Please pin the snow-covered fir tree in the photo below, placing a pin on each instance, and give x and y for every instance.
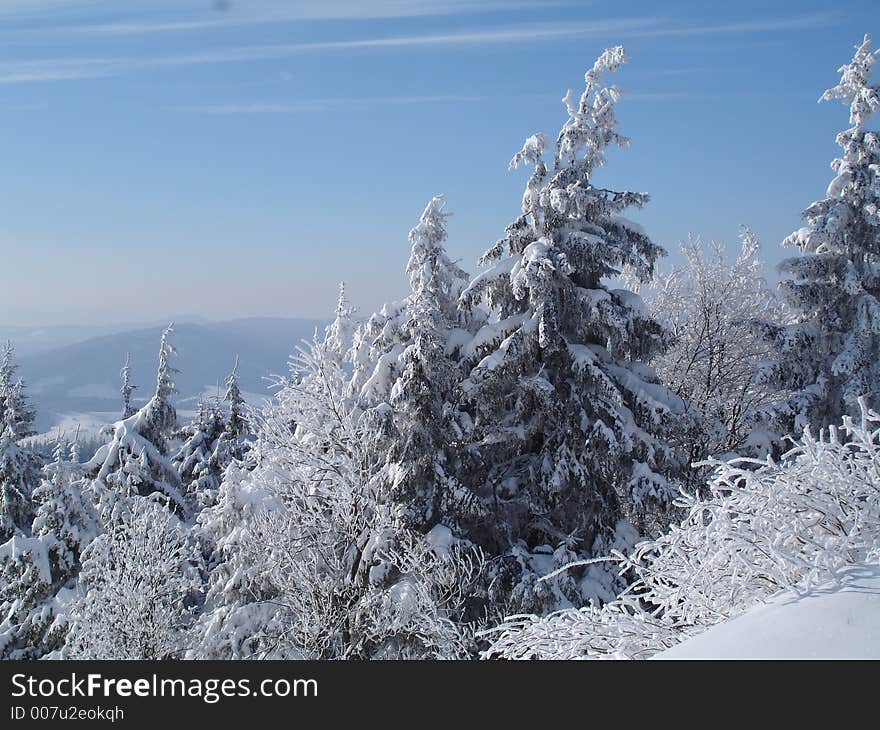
(419, 470)
(830, 355)
(15, 410)
(16, 483)
(237, 436)
(19, 466)
(236, 426)
(568, 422)
(201, 458)
(712, 364)
(127, 388)
(212, 442)
(138, 583)
(337, 339)
(38, 573)
(137, 459)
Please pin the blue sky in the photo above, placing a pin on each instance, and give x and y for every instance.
(228, 158)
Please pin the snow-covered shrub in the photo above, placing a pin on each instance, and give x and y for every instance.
(714, 356)
(763, 527)
(314, 559)
(136, 590)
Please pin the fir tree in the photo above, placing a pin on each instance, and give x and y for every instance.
(127, 388)
(315, 563)
(39, 572)
(236, 421)
(337, 339)
(202, 457)
(420, 461)
(568, 422)
(137, 459)
(830, 356)
(19, 466)
(15, 411)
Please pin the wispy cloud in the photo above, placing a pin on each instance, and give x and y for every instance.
(162, 16)
(321, 105)
(663, 96)
(73, 68)
(55, 70)
(798, 22)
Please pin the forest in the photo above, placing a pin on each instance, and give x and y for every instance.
(574, 453)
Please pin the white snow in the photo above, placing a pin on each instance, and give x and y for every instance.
(19, 546)
(834, 621)
(440, 538)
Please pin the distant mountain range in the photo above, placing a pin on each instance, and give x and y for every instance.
(82, 377)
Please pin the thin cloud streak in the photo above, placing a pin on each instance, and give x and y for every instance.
(321, 105)
(267, 12)
(801, 22)
(71, 69)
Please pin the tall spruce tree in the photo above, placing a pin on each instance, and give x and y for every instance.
(420, 465)
(567, 421)
(137, 459)
(200, 460)
(127, 388)
(15, 410)
(19, 465)
(830, 356)
(38, 573)
(236, 426)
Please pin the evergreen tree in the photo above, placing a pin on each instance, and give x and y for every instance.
(15, 411)
(39, 572)
(236, 437)
(236, 422)
(313, 560)
(830, 355)
(16, 467)
(202, 458)
(127, 388)
(337, 339)
(19, 466)
(568, 422)
(137, 459)
(420, 462)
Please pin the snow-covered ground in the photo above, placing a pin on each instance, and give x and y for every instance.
(834, 621)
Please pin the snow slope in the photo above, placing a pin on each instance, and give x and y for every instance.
(829, 622)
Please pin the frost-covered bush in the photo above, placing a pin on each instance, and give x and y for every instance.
(314, 559)
(763, 527)
(715, 355)
(136, 590)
